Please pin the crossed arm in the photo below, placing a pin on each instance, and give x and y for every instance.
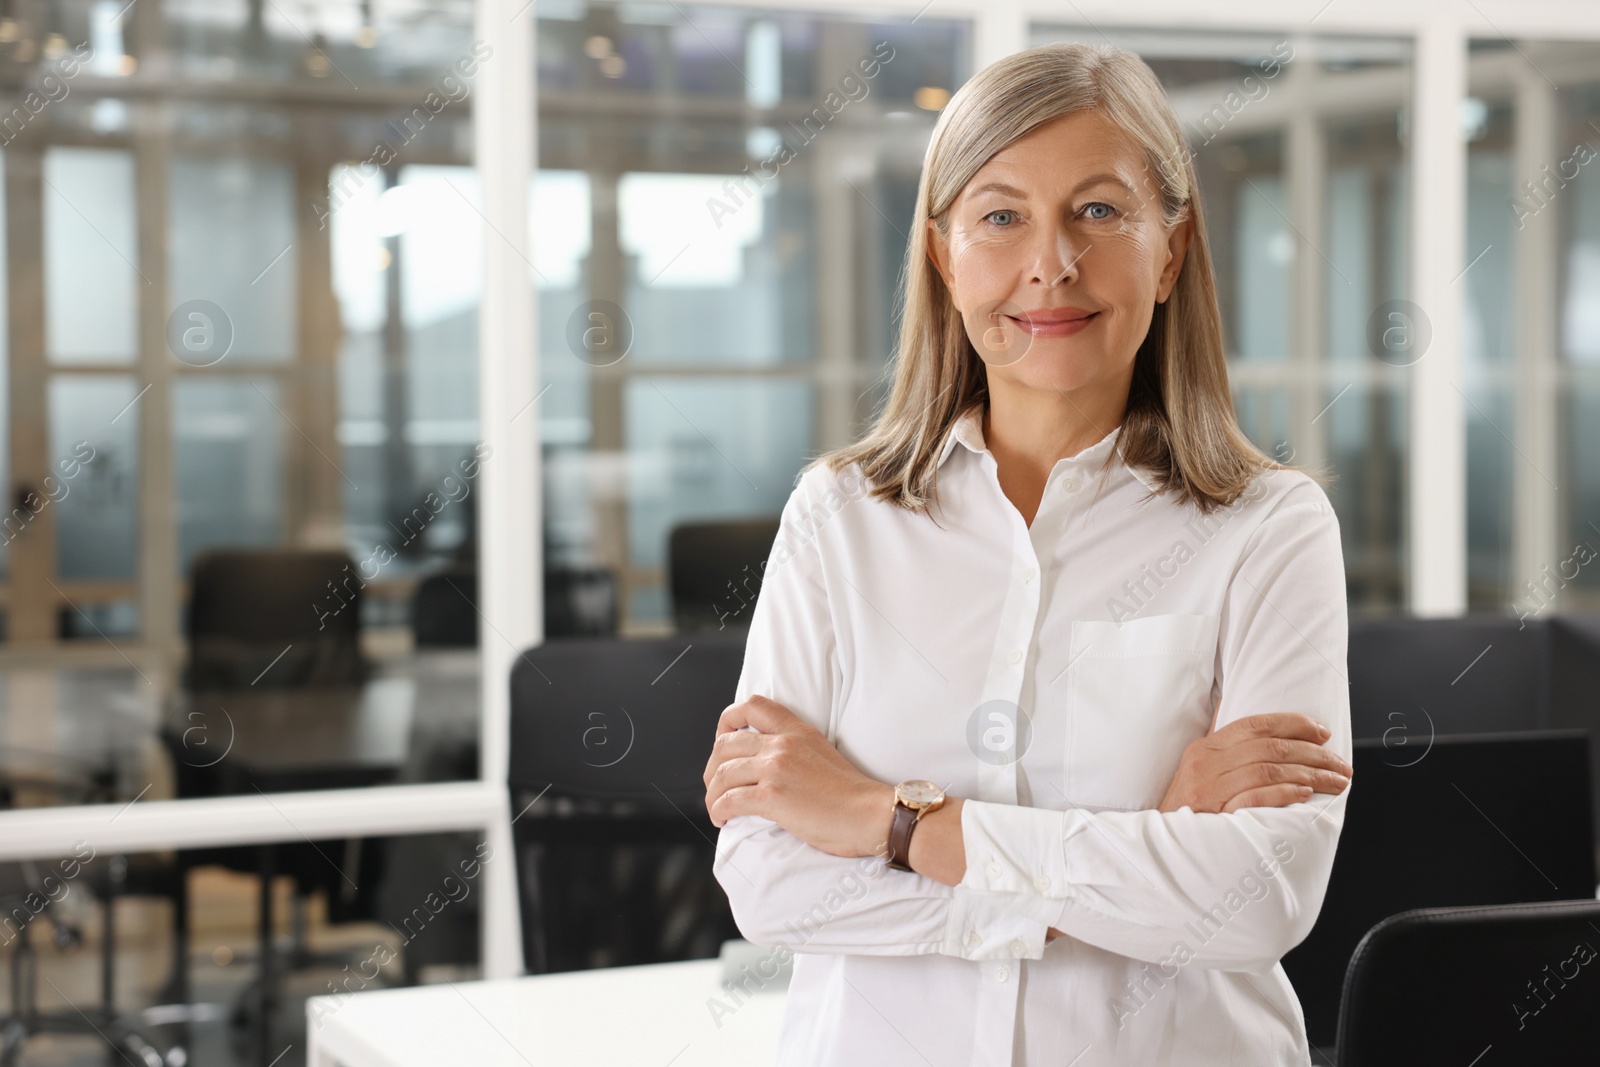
(1242, 815)
(784, 771)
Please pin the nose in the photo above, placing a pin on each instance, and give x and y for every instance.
(1056, 255)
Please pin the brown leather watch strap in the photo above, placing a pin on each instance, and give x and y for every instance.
(900, 827)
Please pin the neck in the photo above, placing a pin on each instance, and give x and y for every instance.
(1028, 430)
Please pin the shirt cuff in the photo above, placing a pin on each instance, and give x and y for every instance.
(982, 927)
(1013, 849)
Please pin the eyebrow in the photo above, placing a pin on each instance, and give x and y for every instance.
(1089, 182)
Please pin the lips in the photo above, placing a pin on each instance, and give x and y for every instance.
(1055, 316)
(1059, 322)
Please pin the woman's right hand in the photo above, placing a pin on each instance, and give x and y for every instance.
(1261, 761)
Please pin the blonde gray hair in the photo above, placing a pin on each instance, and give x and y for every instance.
(1179, 425)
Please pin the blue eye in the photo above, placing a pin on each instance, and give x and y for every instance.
(1097, 203)
(999, 211)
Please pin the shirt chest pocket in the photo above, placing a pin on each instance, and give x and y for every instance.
(1139, 693)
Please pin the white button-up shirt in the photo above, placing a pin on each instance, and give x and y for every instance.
(1051, 674)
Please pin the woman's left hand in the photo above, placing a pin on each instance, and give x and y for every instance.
(790, 774)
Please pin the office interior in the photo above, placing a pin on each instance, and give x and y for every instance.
(365, 361)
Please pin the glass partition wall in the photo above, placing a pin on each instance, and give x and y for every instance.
(239, 397)
(1532, 346)
(1577, 347)
(727, 190)
(242, 282)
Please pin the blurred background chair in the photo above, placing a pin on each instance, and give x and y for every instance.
(264, 624)
(1414, 679)
(1573, 688)
(38, 895)
(28, 903)
(1474, 674)
(716, 570)
(609, 739)
(1471, 820)
(444, 609)
(578, 602)
(1446, 985)
(279, 617)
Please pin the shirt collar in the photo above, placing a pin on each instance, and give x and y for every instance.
(968, 431)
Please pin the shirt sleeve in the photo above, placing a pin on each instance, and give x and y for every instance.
(1232, 891)
(783, 891)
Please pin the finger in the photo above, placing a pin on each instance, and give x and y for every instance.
(1289, 724)
(769, 716)
(728, 746)
(766, 715)
(1291, 750)
(743, 770)
(1263, 775)
(1272, 796)
(742, 800)
(1280, 724)
(733, 717)
(737, 743)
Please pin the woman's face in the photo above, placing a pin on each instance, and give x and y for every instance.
(1064, 222)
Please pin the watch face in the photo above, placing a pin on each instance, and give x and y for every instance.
(918, 793)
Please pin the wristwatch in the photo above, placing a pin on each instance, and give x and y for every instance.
(912, 800)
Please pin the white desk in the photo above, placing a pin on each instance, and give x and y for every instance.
(620, 1017)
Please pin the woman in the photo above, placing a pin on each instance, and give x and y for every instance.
(1046, 671)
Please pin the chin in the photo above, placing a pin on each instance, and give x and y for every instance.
(1051, 377)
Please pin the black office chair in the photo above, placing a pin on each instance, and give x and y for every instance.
(30, 891)
(1480, 673)
(24, 899)
(269, 619)
(610, 737)
(1496, 985)
(716, 570)
(578, 602)
(1470, 821)
(1574, 685)
(274, 617)
(444, 609)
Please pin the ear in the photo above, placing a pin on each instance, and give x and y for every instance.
(1177, 245)
(939, 254)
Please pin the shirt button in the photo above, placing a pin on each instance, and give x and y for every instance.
(994, 871)
(1014, 656)
(1030, 574)
(973, 939)
(1002, 973)
(1018, 948)
(1069, 484)
(1042, 884)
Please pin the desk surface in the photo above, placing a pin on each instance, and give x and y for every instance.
(619, 1017)
(66, 729)
(288, 730)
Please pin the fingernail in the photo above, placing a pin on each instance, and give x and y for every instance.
(1323, 730)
